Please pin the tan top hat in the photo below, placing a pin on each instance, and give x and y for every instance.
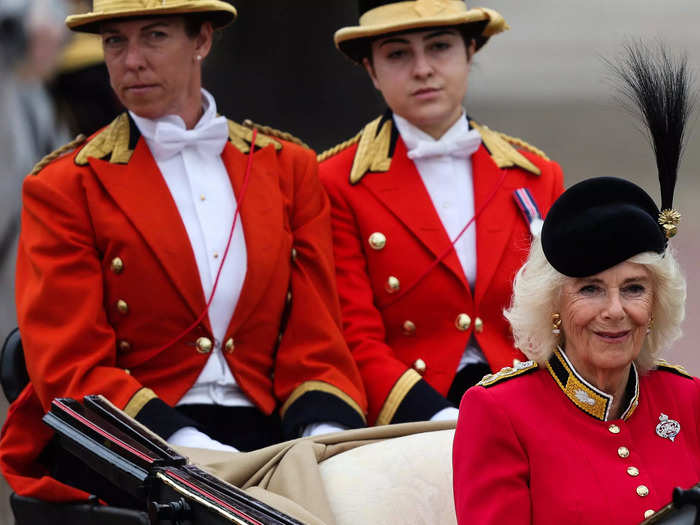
(221, 13)
(380, 17)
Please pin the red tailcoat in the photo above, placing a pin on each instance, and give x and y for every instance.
(526, 452)
(421, 330)
(108, 200)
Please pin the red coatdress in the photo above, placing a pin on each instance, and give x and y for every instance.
(532, 447)
(408, 351)
(106, 277)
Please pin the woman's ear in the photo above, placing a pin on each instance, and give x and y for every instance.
(369, 67)
(204, 40)
(471, 49)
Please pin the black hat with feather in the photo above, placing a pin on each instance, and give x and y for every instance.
(604, 221)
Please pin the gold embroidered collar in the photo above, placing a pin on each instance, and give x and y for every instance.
(587, 397)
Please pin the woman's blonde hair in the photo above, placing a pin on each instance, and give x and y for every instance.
(537, 289)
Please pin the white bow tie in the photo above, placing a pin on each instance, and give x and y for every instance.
(169, 139)
(460, 147)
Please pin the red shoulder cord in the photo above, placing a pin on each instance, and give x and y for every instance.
(228, 245)
(442, 256)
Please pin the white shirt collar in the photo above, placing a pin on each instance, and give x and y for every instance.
(412, 135)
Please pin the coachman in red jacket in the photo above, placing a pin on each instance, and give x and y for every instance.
(428, 230)
(178, 263)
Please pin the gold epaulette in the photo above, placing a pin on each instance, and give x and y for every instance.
(503, 152)
(338, 148)
(680, 370)
(508, 373)
(112, 140)
(520, 143)
(372, 149)
(241, 137)
(272, 132)
(48, 159)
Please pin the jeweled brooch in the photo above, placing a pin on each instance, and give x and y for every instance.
(667, 428)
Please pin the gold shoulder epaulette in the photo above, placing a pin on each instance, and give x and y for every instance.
(680, 370)
(508, 373)
(48, 159)
(503, 152)
(338, 148)
(520, 143)
(272, 132)
(241, 136)
(112, 140)
(372, 150)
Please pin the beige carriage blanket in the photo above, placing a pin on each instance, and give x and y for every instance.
(287, 476)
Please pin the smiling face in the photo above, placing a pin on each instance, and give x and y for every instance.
(154, 66)
(605, 319)
(422, 76)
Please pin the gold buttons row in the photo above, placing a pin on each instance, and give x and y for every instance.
(204, 345)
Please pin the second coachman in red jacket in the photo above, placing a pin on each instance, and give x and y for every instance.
(423, 318)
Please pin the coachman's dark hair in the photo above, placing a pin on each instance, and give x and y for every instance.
(658, 87)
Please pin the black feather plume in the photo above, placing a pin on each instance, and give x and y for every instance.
(659, 88)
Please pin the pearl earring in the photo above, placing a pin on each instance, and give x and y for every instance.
(199, 58)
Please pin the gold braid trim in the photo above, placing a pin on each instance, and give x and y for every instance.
(58, 153)
(398, 392)
(662, 364)
(338, 148)
(272, 132)
(138, 401)
(320, 386)
(520, 143)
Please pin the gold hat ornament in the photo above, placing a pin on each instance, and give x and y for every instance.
(380, 17)
(221, 13)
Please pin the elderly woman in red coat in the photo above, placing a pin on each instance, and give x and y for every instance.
(594, 429)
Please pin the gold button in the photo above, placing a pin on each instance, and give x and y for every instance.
(377, 240)
(642, 491)
(294, 254)
(229, 346)
(478, 325)
(122, 307)
(516, 362)
(117, 265)
(204, 345)
(648, 514)
(127, 371)
(623, 452)
(463, 322)
(289, 297)
(614, 429)
(392, 284)
(124, 345)
(216, 255)
(408, 328)
(202, 198)
(633, 471)
(420, 366)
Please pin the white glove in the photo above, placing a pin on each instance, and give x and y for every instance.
(191, 437)
(316, 429)
(446, 414)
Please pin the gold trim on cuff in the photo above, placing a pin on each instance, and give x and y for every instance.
(311, 386)
(138, 401)
(405, 383)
